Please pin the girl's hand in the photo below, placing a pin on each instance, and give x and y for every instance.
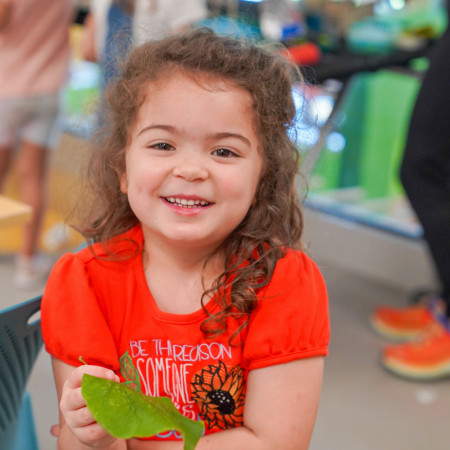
(75, 412)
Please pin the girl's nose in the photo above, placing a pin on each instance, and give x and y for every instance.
(190, 171)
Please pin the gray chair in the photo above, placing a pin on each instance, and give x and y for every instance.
(20, 344)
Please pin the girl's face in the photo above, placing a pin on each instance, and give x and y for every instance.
(193, 164)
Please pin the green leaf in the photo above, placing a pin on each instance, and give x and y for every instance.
(125, 413)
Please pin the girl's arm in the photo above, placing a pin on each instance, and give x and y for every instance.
(280, 411)
(78, 429)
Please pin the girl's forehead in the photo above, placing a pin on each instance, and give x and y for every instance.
(205, 80)
(179, 80)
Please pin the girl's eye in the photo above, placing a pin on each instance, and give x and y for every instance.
(224, 153)
(162, 146)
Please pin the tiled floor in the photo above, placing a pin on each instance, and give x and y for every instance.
(362, 406)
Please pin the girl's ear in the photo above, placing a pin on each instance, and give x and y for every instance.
(124, 184)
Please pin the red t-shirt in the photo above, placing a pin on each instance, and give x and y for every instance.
(103, 311)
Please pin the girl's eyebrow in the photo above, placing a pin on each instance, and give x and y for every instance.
(221, 135)
(225, 135)
(159, 127)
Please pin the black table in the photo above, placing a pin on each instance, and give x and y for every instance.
(342, 64)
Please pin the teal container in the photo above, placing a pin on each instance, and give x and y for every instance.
(390, 98)
(373, 118)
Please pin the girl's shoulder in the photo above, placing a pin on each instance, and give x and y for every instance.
(296, 288)
(296, 276)
(121, 247)
(98, 261)
(296, 264)
(291, 319)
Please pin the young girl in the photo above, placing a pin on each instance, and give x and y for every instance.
(195, 287)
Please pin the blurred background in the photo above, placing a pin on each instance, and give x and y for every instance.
(363, 64)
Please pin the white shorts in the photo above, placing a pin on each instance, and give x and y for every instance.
(31, 119)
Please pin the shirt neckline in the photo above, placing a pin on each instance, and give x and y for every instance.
(211, 306)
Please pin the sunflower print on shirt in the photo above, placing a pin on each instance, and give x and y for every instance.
(219, 392)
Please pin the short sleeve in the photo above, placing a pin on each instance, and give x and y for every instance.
(73, 320)
(291, 320)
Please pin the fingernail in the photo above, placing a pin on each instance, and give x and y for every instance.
(110, 375)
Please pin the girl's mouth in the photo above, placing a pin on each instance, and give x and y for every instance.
(186, 203)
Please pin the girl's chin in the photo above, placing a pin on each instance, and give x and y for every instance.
(184, 239)
(193, 243)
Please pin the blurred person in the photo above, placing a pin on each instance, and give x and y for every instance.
(425, 175)
(112, 26)
(156, 19)
(107, 35)
(34, 55)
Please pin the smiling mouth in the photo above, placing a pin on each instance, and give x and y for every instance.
(185, 203)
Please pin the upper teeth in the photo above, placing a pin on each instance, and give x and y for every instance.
(185, 202)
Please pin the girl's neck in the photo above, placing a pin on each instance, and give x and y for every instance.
(181, 259)
(177, 277)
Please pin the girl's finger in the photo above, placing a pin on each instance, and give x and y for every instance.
(54, 430)
(72, 399)
(74, 380)
(81, 418)
(93, 433)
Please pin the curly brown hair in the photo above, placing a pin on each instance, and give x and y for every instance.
(274, 222)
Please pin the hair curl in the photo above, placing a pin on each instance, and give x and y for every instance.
(274, 222)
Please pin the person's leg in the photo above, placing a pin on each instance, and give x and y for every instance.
(32, 163)
(9, 121)
(5, 164)
(425, 175)
(425, 170)
(32, 169)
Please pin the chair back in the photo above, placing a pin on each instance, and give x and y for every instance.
(20, 344)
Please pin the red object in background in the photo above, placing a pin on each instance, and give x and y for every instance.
(306, 53)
